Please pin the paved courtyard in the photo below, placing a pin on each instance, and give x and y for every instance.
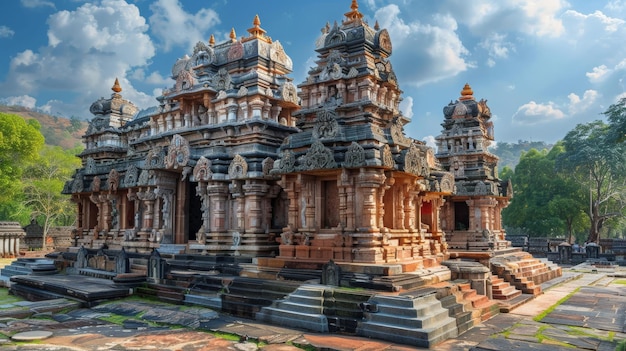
(586, 312)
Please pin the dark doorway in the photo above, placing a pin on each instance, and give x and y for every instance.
(194, 213)
(330, 204)
(461, 216)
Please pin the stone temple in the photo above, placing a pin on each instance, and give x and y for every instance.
(246, 192)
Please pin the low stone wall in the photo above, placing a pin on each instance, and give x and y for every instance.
(58, 238)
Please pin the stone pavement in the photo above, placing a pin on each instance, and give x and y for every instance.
(591, 316)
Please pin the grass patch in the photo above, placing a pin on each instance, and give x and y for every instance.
(620, 281)
(6, 298)
(543, 314)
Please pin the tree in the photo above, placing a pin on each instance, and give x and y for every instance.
(597, 164)
(545, 203)
(20, 142)
(44, 181)
(616, 114)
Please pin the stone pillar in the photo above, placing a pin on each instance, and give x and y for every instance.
(217, 193)
(147, 197)
(593, 250)
(254, 192)
(565, 252)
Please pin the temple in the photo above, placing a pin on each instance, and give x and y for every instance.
(241, 191)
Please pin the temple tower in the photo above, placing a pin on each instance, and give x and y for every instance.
(195, 169)
(472, 216)
(359, 189)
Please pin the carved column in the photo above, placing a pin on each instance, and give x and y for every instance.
(254, 192)
(147, 197)
(217, 193)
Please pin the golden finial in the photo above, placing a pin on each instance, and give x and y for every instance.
(116, 86)
(467, 93)
(353, 15)
(212, 40)
(256, 32)
(233, 35)
(376, 25)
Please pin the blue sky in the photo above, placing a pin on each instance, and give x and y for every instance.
(543, 65)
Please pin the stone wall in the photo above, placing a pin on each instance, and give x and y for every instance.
(58, 237)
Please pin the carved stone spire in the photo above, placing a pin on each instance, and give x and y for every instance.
(233, 35)
(212, 40)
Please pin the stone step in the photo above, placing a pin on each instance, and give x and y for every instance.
(313, 322)
(428, 337)
(421, 322)
(300, 307)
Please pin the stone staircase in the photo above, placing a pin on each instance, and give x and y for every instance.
(304, 309)
(418, 320)
(483, 306)
(503, 290)
(523, 271)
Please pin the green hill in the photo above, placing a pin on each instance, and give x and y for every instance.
(58, 131)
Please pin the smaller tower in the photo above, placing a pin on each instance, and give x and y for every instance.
(472, 216)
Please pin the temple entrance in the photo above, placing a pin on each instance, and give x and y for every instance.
(461, 216)
(194, 212)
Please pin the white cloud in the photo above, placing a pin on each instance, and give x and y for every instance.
(497, 47)
(435, 48)
(430, 141)
(594, 22)
(533, 17)
(37, 3)
(6, 32)
(598, 74)
(578, 105)
(175, 27)
(23, 100)
(91, 45)
(534, 113)
(406, 106)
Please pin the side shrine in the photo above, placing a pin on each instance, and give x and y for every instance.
(256, 197)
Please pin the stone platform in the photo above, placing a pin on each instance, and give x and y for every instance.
(88, 290)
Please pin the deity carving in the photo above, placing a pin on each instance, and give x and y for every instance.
(319, 157)
(238, 167)
(178, 153)
(268, 164)
(287, 162)
(447, 183)
(355, 156)
(221, 80)
(113, 180)
(243, 91)
(413, 161)
(184, 81)
(130, 178)
(155, 159)
(289, 93)
(387, 157)
(95, 184)
(202, 170)
(326, 125)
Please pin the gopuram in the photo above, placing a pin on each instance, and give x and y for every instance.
(471, 217)
(245, 193)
